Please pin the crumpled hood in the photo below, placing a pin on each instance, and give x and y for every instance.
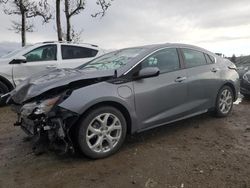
(48, 80)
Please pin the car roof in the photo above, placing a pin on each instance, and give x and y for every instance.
(173, 45)
(155, 47)
(69, 43)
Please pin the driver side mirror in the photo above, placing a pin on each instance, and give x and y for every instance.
(147, 73)
(19, 60)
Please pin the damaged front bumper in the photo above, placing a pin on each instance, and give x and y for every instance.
(50, 129)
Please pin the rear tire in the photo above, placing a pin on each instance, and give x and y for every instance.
(224, 102)
(3, 90)
(101, 132)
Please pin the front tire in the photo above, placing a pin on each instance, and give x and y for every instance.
(3, 90)
(224, 102)
(102, 132)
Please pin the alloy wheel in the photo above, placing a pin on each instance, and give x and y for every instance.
(103, 133)
(225, 101)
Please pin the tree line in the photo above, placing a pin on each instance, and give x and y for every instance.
(27, 9)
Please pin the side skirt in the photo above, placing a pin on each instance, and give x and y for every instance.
(179, 119)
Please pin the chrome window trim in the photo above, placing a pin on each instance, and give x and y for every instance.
(215, 59)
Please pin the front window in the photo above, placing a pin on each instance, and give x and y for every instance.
(166, 60)
(113, 60)
(44, 53)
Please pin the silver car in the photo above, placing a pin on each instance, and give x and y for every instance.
(95, 106)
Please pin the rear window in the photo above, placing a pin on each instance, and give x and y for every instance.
(75, 52)
(193, 58)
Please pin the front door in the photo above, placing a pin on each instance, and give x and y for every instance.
(39, 59)
(163, 98)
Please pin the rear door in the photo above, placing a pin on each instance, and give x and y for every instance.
(202, 81)
(161, 99)
(39, 59)
(74, 56)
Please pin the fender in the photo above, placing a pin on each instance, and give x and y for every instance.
(84, 98)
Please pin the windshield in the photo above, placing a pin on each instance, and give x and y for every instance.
(113, 60)
(15, 52)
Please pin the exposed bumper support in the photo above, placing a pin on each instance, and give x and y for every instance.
(49, 131)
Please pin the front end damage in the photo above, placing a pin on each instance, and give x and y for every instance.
(37, 103)
(47, 124)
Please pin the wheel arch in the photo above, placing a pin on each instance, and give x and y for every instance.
(6, 82)
(116, 105)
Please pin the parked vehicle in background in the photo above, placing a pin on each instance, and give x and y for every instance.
(123, 92)
(245, 85)
(242, 70)
(22, 63)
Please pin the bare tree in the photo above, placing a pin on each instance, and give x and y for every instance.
(26, 9)
(104, 5)
(73, 8)
(233, 58)
(58, 20)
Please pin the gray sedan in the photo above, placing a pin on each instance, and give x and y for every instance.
(95, 106)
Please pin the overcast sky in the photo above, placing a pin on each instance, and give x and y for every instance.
(217, 25)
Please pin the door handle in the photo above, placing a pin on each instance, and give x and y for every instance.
(51, 66)
(180, 79)
(215, 70)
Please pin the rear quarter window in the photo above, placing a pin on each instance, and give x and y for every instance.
(210, 59)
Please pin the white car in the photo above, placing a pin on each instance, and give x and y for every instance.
(22, 63)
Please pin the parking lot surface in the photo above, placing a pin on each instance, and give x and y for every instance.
(199, 152)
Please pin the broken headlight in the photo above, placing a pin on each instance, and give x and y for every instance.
(45, 106)
(28, 108)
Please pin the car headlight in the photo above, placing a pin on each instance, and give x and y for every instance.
(245, 77)
(45, 106)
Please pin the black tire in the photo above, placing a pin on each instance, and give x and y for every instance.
(218, 110)
(85, 123)
(3, 90)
